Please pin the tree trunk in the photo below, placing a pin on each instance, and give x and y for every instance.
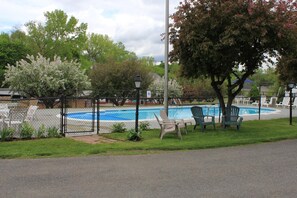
(123, 102)
(114, 101)
(49, 103)
(217, 90)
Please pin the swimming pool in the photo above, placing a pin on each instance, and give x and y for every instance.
(148, 113)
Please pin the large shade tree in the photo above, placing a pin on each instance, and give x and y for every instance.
(60, 35)
(39, 77)
(287, 69)
(228, 40)
(115, 80)
(100, 49)
(11, 51)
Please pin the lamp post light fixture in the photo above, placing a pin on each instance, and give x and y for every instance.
(137, 81)
(290, 87)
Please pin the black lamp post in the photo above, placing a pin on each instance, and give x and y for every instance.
(260, 98)
(290, 87)
(137, 81)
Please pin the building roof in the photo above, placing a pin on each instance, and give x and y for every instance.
(8, 92)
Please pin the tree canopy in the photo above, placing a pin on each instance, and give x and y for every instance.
(11, 51)
(227, 41)
(100, 49)
(60, 35)
(174, 89)
(287, 69)
(40, 77)
(116, 79)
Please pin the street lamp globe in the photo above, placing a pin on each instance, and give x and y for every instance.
(137, 81)
(291, 85)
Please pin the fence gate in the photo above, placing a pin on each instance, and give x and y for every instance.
(78, 115)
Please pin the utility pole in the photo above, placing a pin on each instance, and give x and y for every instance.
(166, 56)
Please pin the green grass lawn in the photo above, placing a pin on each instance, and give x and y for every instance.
(251, 132)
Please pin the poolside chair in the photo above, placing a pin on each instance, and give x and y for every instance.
(238, 99)
(263, 100)
(178, 102)
(182, 124)
(168, 127)
(201, 119)
(294, 103)
(31, 113)
(15, 118)
(4, 112)
(247, 101)
(271, 102)
(3, 106)
(285, 102)
(232, 117)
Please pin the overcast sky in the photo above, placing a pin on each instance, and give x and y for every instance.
(136, 23)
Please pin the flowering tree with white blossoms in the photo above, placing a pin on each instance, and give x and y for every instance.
(40, 77)
(174, 89)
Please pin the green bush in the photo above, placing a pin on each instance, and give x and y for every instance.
(254, 93)
(144, 126)
(27, 130)
(40, 133)
(118, 128)
(134, 136)
(7, 134)
(53, 132)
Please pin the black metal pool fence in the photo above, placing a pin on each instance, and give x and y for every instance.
(55, 116)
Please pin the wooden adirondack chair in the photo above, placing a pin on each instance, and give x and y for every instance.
(201, 119)
(232, 117)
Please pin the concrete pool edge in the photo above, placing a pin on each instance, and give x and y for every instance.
(273, 111)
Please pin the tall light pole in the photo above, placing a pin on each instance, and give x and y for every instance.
(166, 56)
(290, 87)
(137, 81)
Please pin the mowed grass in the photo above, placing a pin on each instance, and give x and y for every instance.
(251, 132)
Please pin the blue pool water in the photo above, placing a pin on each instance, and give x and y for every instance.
(148, 113)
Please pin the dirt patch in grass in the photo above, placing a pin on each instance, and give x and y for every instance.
(93, 139)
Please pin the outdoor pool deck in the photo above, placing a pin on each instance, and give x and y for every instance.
(50, 118)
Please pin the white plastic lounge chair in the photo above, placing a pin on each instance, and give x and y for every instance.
(4, 112)
(238, 99)
(294, 103)
(31, 113)
(285, 102)
(271, 102)
(263, 100)
(3, 106)
(246, 101)
(15, 118)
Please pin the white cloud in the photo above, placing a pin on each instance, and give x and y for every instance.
(136, 23)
